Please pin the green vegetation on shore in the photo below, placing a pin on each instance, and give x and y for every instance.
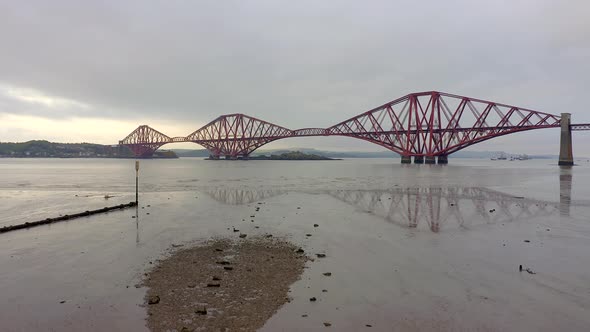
(45, 149)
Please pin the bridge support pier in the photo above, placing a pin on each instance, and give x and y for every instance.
(566, 156)
(406, 160)
(443, 160)
(430, 160)
(419, 160)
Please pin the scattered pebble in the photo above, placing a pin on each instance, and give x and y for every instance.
(243, 236)
(62, 302)
(327, 274)
(154, 299)
(316, 225)
(201, 311)
(228, 268)
(213, 284)
(312, 299)
(527, 241)
(321, 255)
(326, 324)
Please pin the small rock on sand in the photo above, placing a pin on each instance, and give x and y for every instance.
(316, 225)
(201, 311)
(216, 278)
(154, 299)
(300, 251)
(243, 236)
(213, 284)
(327, 274)
(321, 255)
(326, 324)
(312, 299)
(228, 268)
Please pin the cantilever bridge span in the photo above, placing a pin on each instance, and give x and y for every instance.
(423, 125)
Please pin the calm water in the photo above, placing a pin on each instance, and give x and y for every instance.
(411, 246)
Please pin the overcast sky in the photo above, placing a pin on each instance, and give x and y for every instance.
(75, 71)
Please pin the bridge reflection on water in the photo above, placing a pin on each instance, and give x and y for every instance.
(432, 209)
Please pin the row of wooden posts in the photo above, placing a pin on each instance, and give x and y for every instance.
(81, 214)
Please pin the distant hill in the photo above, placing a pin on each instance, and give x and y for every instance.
(45, 149)
(356, 154)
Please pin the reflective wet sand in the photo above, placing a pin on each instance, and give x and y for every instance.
(408, 247)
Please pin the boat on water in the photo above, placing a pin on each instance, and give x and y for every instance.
(501, 156)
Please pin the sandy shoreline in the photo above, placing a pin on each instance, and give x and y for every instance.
(222, 285)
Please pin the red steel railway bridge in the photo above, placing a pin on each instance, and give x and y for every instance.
(428, 126)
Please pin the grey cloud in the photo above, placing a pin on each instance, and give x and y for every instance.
(295, 63)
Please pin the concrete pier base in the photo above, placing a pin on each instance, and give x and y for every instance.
(406, 160)
(419, 160)
(566, 156)
(430, 160)
(443, 160)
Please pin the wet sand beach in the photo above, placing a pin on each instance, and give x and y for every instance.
(222, 285)
(411, 248)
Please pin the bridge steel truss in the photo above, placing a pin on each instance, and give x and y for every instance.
(421, 125)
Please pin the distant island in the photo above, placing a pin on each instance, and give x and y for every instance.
(292, 155)
(45, 149)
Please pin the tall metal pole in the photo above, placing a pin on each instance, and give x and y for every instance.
(136, 181)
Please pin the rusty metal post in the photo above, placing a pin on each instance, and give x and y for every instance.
(136, 181)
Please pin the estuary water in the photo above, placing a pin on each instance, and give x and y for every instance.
(410, 247)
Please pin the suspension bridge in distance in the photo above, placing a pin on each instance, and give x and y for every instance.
(426, 126)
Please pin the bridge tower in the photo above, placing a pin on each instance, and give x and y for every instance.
(566, 156)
